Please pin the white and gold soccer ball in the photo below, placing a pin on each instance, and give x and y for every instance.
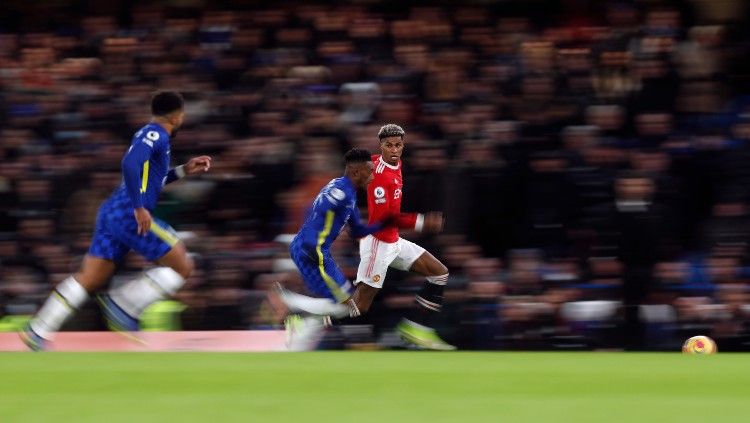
(700, 344)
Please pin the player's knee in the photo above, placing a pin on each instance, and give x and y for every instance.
(185, 269)
(436, 268)
(93, 273)
(88, 282)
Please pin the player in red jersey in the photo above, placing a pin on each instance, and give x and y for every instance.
(387, 249)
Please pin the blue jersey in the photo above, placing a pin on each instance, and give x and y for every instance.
(334, 207)
(145, 169)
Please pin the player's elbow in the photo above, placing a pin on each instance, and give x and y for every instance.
(359, 232)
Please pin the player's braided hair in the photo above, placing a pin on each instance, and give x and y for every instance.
(391, 130)
(357, 155)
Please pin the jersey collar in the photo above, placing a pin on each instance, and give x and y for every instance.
(159, 128)
(390, 166)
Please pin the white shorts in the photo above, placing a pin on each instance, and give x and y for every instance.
(375, 256)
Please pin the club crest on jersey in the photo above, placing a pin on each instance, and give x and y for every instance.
(379, 192)
(335, 195)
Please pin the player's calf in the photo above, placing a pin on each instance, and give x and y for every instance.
(417, 328)
(124, 304)
(430, 297)
(363, 296)
(65, 299)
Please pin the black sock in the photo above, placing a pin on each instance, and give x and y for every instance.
(429, 301)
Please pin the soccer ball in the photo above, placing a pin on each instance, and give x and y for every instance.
(699, 345)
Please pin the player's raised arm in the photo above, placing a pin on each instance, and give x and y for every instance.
(359, 229)
(380, 198)
(200, 164)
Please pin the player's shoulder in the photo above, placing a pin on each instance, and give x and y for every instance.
(151, 134)
(338, 190)
(375, 158)
(385, 170)
(342, 183)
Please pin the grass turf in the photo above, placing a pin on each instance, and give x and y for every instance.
(373, 387)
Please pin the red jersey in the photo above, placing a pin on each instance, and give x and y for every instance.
(384, 196)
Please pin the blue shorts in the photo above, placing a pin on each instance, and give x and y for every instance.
(116, 233)
(320, 273)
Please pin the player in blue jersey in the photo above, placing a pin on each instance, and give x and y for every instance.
(124, 223)
(333, 208)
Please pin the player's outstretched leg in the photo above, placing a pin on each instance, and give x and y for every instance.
(302, 304)
(303, 332)
(417, 329)
(123, 305)
(66, 298)
(305, 326)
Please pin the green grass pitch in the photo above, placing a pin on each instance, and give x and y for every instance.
(378, 387)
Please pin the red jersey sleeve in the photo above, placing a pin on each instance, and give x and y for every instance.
(408, 221)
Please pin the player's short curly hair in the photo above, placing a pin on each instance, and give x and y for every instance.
(166, 102)
(391, 130)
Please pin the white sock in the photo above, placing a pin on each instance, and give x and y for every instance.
(438, 280)
(320, 306)
(153, 285)
(67, 297)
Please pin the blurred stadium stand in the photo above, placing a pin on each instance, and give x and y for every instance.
(592, 157)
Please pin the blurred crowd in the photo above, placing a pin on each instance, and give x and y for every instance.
(592, 158)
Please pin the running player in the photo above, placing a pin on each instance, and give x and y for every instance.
(124, 222)
(386, 248)
(335, 206)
